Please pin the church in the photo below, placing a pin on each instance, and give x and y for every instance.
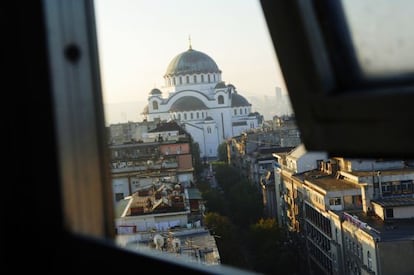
(195, 96)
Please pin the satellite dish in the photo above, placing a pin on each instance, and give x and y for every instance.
(158, 241)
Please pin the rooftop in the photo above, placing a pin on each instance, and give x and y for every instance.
(396, 201)
(195, 244)
(403, 171)
(327, 182)
(389, 230)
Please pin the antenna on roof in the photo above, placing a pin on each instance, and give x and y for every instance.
(189, 42)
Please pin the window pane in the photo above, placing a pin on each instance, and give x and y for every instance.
(378, 28)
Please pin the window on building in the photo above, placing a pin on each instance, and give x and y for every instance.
(155, 105)
(195, 79)
(208, 78)
(185, 116)
(235, 112)
(191, 115)
(407, 186)
(220, 99)
(202, 78)
(369, 259)
(174, 80)
(119, 196)
(389, 212)
(209, 130)
(187, 79)
(181, 80)
(335, 201)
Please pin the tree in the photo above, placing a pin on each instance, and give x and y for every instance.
(195, 152)
(265, 236)
(227, 239)
(222, 152)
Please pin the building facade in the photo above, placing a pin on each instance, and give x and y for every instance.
(353, 216)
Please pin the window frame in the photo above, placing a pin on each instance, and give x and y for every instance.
(333, 117)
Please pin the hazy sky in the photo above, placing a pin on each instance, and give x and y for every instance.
(137, 40)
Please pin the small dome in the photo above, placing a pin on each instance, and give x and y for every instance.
(155, 91)
(191, 62)
(238, 101)
(187, 103)
(231, 86)
(220, 85)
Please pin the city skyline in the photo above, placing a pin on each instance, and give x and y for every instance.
(138, 39)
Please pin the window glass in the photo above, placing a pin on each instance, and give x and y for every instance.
(166, 196)
(378, 29)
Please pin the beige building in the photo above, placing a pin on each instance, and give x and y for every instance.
(355, 215)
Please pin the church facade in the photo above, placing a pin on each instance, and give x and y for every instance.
(195, 96)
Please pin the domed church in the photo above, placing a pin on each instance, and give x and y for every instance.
(195, 96)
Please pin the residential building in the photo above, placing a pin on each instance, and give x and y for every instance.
(164, 153)
(354, 215)
(163, 217)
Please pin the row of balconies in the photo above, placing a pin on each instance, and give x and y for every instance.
(143, 167)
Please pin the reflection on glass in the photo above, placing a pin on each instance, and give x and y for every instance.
(380, 34)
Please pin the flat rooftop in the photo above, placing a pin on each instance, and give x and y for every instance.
(388, 230)
(402, 171)
(327, 182)
(396, 201)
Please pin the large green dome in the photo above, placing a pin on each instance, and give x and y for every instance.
(191, 62)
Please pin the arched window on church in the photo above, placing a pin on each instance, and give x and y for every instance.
(202, 114)
(208, 78)
(191, 116)
(174, 81)
(241, 111)
(220, 99)
(195, 79)
(235, 112)
(155, 105)
(185, 116)
(179, 116)
(214, 77)
(202, 78)
(187, 79)
(209, 130)
(198, 115)
(181, 80)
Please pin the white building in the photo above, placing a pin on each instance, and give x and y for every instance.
(195, 95)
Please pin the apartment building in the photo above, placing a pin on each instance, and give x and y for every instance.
(354, 216)
(164, 153)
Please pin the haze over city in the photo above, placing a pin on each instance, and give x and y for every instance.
(138, 39)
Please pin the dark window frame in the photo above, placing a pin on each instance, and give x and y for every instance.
(333, 114)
